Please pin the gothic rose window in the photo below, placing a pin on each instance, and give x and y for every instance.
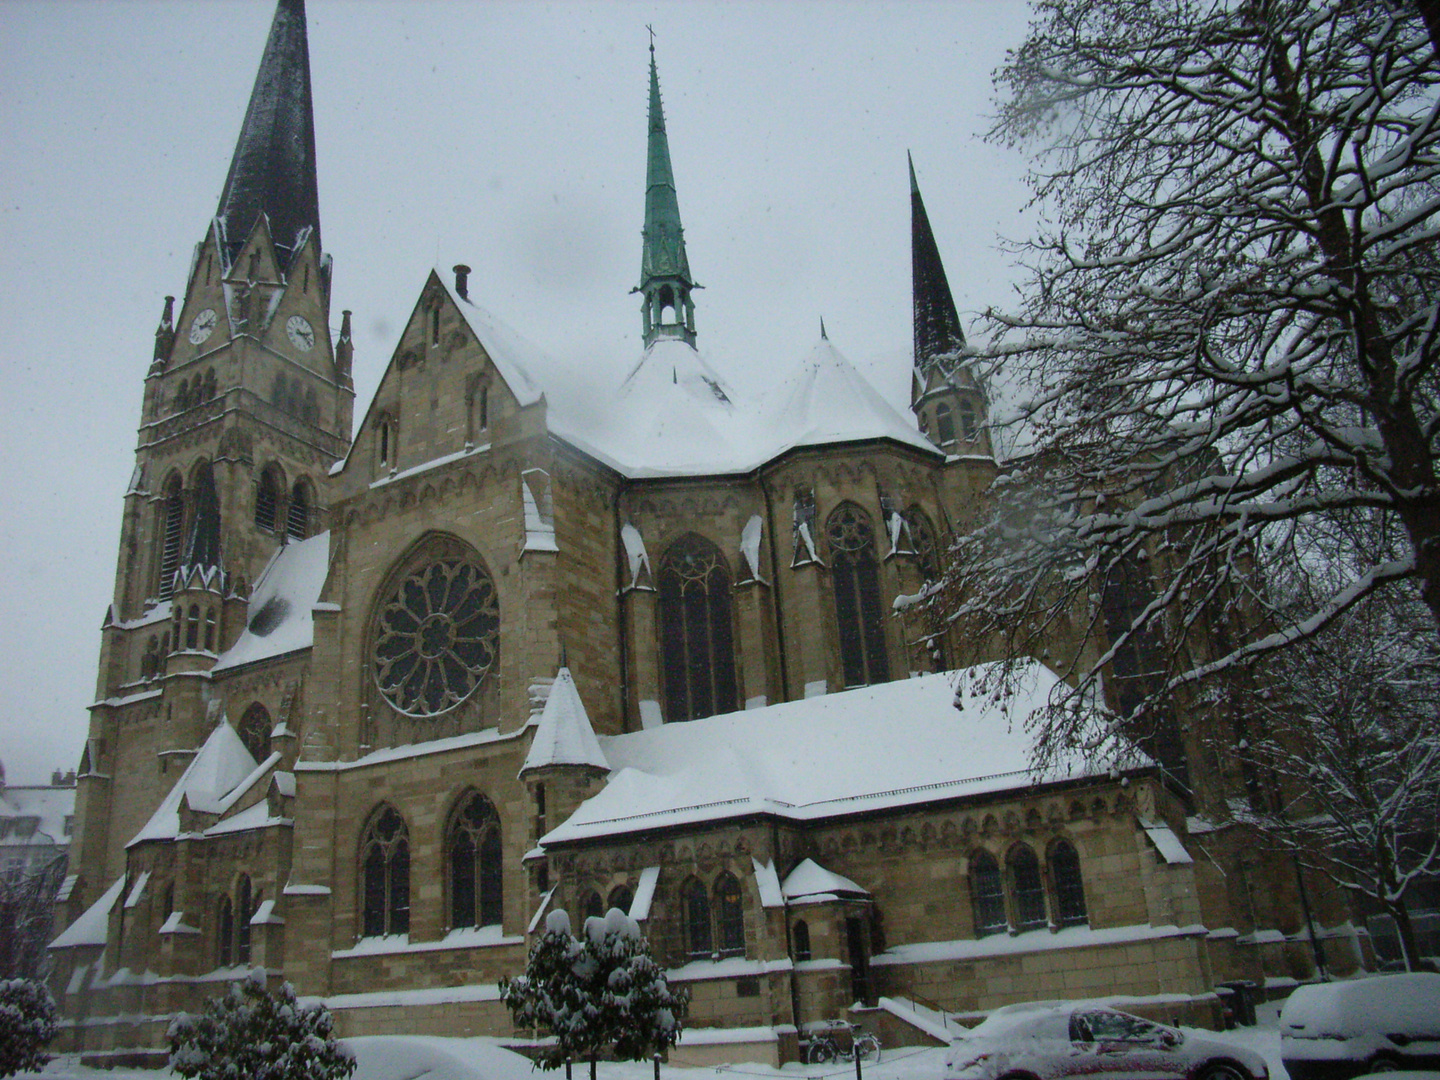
(858, 614)
(437, 636)
(696, 641)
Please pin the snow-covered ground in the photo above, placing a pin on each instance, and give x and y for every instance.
(411, 1058)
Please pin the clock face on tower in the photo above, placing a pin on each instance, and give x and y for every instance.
(300, 332)
(202, 326)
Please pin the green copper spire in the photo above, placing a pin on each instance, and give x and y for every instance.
(665, 280)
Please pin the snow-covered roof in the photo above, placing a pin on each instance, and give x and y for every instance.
(563, 734)
(674, 414)
(46, 809)
(94, 923)
(280, 619)
(896, 744)
(220, 768)
(811, 883)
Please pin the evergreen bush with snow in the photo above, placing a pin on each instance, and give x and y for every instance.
(601, 992)
(27, 1024)
(251, 1033)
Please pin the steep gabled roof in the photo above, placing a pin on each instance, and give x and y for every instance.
(217, 770)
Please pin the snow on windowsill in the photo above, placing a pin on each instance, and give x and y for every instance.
(735, 967)
(469, 937)
(305, 890)
(433, 463)
(697, 1036)
(409, 750)
(381, 999)
(1071, 937)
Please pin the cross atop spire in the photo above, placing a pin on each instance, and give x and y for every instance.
(665, 280)
(937, 326)
(273, 170)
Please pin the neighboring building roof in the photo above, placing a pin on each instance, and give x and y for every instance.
(563, 734)
(219, 770)
(43, 811)
(280, 605)
(825, 756)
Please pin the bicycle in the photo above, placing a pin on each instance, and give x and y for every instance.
(823, 1049)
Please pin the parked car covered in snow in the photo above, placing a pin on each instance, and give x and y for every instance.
(1042, 1040)
(1343, 1029)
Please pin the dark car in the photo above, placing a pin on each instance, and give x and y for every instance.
(1054, 1039)
(1332, 1031)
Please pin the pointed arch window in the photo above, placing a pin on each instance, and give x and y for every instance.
(209, 630)
(697, 649)
(1069, 888)
(944, 423)
(729, 915)
(987, 894)
(1028, 887)
(192, 627)
(800, 940)
(969, 420)
(621, 898)
(476, 873)
(297, 519)
(385, 875)
(255, 728)
(244, 912)
(225, 933)
(267, 499)
(695, 905)
(922, 540)
(593, 907)
(855, 576)
(172, 529)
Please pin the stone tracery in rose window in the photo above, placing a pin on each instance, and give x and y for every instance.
(437, 637)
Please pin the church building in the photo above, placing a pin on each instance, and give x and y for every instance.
(375, 697)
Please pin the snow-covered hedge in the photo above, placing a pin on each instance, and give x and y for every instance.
(251, 1033)
(27, 1024)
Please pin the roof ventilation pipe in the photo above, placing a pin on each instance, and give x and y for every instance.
(462, 281)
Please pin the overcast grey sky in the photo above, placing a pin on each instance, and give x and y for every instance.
(507, 136)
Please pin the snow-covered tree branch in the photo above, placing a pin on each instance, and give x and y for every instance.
(1344, 757)
(1228, 347)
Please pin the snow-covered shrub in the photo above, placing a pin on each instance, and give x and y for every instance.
(600, 992)
(251, 1033)
(27, 1024)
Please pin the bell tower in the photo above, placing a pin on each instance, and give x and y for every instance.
(248, 402)
(945, 396)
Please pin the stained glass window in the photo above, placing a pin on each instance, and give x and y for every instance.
(696, 638)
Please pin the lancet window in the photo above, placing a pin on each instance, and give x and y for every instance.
(385, 875)
(473, 852)
(696, 633)
(855, 575)
(1070, 907)
(987, 894)
(172, 528)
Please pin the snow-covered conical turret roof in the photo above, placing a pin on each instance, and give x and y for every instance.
(563, 735)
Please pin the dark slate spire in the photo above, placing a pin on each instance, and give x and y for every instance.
(937, 326)
(273, 170)
(665, 278)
